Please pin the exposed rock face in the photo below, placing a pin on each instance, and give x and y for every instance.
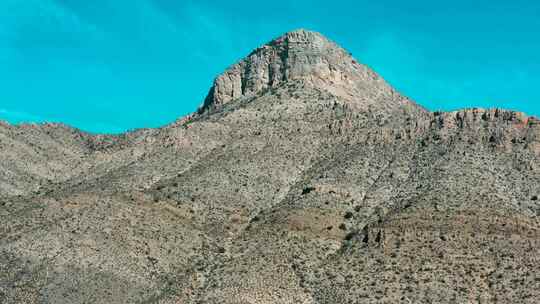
(306, 57)
(304, 179)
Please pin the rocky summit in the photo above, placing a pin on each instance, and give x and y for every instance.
(303, 178)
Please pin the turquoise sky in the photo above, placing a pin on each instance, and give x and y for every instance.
(112, 65)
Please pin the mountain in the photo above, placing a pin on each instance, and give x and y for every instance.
(303, 178)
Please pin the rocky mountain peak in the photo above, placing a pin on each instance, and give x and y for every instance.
(314, 181)
(303, 56)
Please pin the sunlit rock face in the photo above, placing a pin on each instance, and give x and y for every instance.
(306, 57)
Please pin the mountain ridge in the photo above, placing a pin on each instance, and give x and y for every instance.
(225, 90)
(311, 191)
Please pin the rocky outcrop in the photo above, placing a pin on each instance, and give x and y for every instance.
(496, 127)
(306, 57)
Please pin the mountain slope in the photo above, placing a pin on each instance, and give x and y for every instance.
(303, 178)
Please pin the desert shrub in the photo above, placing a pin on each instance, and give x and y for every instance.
(349, 236)
(307, 190)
